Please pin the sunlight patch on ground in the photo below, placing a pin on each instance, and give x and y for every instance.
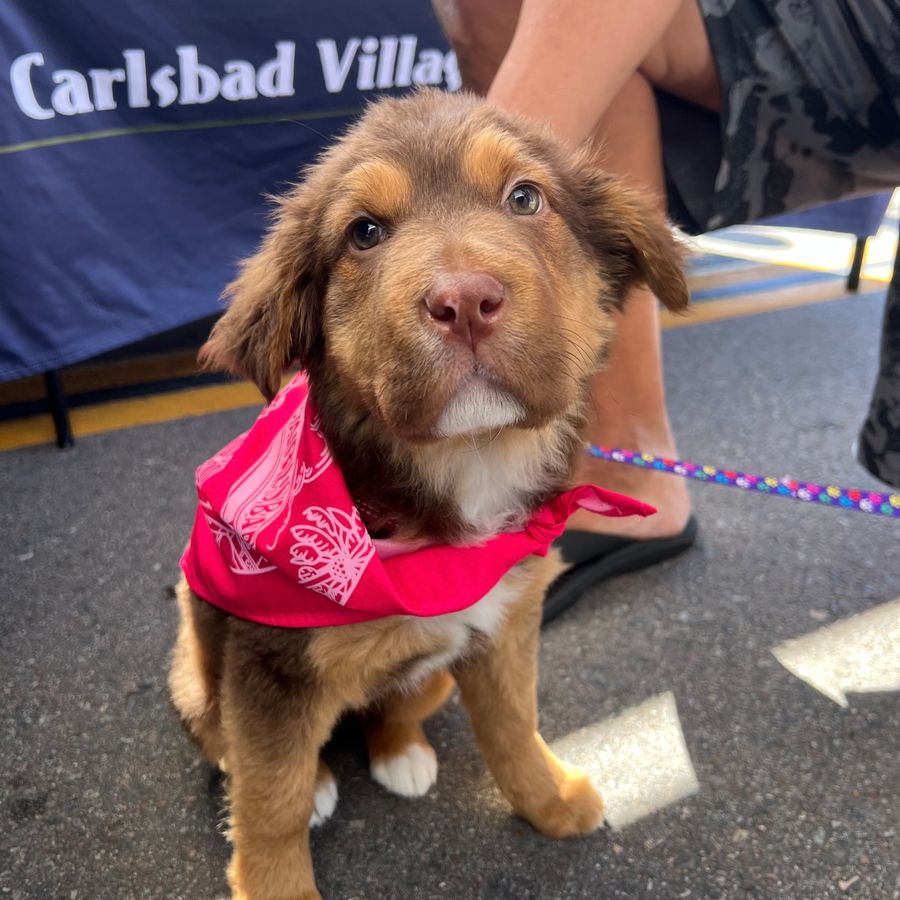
(857, 655)
(638, 761)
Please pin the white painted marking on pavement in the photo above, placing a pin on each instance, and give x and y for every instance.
(638, 761)
(858, 655)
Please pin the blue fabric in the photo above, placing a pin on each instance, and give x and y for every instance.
(108, 237)
(859, 215)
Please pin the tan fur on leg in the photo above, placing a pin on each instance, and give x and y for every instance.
(499, 689)
(196, 672)
(276, 715)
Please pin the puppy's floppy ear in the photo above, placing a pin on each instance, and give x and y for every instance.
(274, 315)
(633, 242)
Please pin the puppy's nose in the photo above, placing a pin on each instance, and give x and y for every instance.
(465, 306)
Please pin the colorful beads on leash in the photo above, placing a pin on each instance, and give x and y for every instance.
(825, 495)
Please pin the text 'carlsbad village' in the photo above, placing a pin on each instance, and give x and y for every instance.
(366, 63)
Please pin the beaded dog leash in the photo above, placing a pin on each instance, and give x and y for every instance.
(825, 495)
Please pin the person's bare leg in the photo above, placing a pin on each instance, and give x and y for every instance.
(628, 407)
(628, 399)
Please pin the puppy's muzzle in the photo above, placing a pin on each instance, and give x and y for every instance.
(465, 306)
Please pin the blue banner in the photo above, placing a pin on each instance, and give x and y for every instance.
(137, 141)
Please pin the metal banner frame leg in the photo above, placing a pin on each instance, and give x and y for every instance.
(59, 409)
(856, 266)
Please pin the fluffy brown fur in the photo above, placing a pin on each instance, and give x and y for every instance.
(434, 171)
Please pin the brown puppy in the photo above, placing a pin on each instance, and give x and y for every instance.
(446, 275)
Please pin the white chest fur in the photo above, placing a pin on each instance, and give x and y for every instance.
(492, 480)
(456, 629)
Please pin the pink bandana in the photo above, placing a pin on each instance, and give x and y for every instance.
(278, 540)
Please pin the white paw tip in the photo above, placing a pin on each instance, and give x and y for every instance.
(410, 774)
(324, 801)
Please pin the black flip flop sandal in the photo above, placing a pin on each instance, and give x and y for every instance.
(595, 557)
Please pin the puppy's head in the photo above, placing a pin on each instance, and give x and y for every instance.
(454, 269)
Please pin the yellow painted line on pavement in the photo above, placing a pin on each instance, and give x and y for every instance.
(122, 373)
(119, 414)
(173, 405)
(756, 304)
(718, 278)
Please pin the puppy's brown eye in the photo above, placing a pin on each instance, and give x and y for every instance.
(365, 234)
(524, 200)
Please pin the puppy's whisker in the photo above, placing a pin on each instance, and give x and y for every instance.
(576, 336)
(573, 351)
(581, 362)
(558, 315)
(576, 342)
(492, 437)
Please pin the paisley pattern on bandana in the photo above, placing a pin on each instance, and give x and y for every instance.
(331, 552)
(242, 558)
(261, 497)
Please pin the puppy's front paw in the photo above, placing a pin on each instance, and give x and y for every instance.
(410, 773)
(577, 809)
(270, 886)
(325, 797)
(238, 894)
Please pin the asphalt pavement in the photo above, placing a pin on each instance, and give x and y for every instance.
(102, 797)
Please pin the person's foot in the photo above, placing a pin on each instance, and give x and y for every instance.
(668, 493)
